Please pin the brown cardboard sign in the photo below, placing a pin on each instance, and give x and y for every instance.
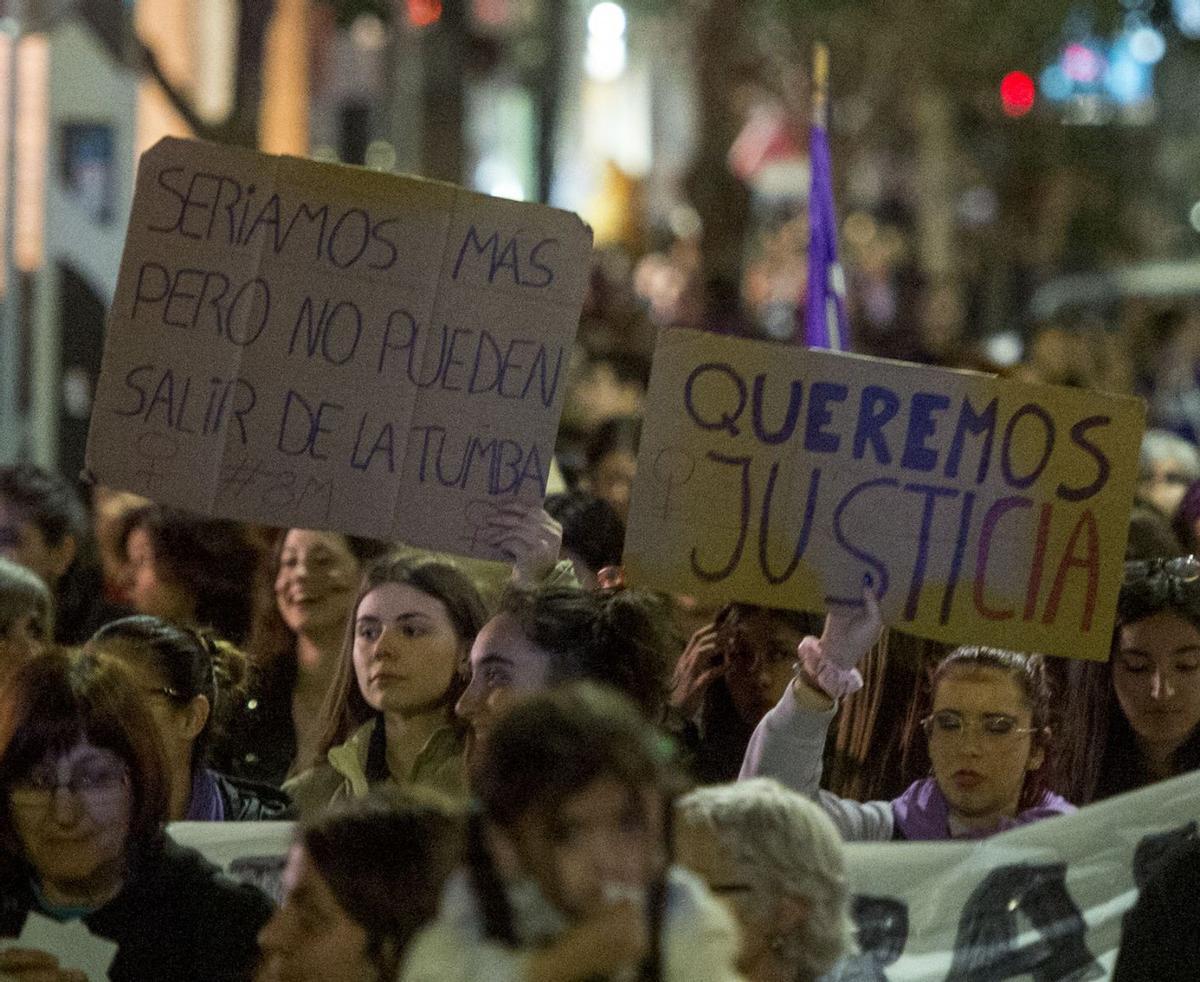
(977, 509)
(313, 345)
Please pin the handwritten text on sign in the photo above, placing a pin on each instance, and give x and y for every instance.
(304, 344)
(982, 510)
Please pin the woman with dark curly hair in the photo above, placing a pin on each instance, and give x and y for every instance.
(192, 570)
(543, 637)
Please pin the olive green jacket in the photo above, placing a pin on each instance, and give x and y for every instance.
(439, 765)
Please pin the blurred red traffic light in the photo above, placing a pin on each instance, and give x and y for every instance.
(422, 13)
(1017, 93)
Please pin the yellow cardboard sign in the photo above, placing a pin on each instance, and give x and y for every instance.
(305, 344)
(980, 510)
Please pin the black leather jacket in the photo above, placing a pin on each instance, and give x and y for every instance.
(250, 801)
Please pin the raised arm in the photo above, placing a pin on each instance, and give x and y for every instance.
(789, 742)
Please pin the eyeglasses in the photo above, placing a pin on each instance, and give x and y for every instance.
(1171, 477)
(1186, 569)
(93, 784)
(993, 727)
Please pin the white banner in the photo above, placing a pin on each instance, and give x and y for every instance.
(1043, 902)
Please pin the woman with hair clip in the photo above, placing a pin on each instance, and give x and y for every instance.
(81, 834)
(190, 680)
(569, 877)
(339, 920)
(988, 734)
(389, 716)
(1136, 718)
(544, 637)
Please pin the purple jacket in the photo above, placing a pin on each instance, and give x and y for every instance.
(788, 745)
(921, 813)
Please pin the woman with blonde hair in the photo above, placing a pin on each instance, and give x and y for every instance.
(776, 859)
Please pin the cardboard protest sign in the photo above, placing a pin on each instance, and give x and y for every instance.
(304, 344)
(980, 510)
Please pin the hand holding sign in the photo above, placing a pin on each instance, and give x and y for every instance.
(527, 537)
(850, 632)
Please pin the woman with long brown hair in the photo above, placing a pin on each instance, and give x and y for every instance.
(389, 715)
(1136, 718)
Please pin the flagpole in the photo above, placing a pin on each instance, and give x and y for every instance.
(820, 110)
(824, 315)
(820, 85)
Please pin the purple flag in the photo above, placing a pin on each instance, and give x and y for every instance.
(825, 323)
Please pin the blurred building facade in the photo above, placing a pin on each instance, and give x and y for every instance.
(530, 99)
(956, 204)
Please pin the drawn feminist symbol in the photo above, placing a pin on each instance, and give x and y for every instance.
(155, 447)
(478, 514)
(672, 468)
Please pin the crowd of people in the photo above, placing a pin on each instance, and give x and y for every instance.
(533, 774)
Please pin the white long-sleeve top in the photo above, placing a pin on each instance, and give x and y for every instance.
(699, 941)
(789, 745)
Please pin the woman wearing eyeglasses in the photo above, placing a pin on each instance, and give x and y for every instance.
(191, 681)
(81, 834)
(1137, 716)
(777, 862)
(988, 734)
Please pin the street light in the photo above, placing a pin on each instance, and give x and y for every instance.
(607, 53)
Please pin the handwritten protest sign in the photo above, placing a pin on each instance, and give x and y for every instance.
(979, 509)
(304, 344)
